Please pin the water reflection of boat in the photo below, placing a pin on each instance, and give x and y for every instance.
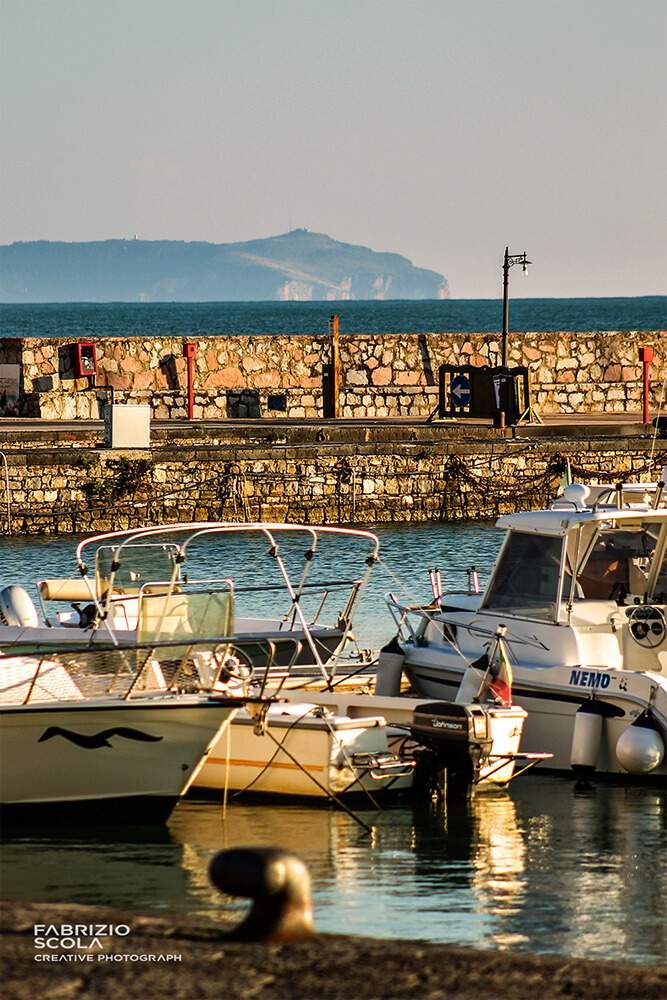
(320, 835)
(596, 877)
(498, 860)
(96, 865)
(543, 868)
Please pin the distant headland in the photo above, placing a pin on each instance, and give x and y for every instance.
(296, 266)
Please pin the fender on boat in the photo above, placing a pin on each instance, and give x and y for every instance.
(641, 748)
(17, 608)
(389, 669)
(586, 738)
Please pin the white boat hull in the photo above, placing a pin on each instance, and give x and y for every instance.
(551, 699)
(124, 759)
(304, 754)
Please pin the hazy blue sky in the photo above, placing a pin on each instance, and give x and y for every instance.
(442, 130)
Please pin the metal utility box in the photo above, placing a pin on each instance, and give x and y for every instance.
(127, 426)
(505, 390)
(469, 391)
(190, 350)
(85, 361)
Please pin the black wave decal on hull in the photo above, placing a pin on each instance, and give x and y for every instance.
(100, 739)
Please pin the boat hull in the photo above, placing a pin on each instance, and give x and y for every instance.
(304, 754)
(252, 641)
(552, 697)
(126, 760)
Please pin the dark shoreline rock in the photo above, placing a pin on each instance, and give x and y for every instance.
(333, 967)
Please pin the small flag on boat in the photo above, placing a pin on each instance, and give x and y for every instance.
(501, 676)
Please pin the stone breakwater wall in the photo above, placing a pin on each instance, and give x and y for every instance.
(68, 489)
(380, 376)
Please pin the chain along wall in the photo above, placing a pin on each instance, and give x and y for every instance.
(382, 376)
(80, 490)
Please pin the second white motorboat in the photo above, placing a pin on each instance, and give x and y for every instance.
(577, 599)
(305, 750)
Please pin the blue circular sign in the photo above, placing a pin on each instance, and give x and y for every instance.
(461, 391)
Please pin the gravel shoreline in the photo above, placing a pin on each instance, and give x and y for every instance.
(142, 965)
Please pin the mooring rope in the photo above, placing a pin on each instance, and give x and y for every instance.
(280, 746)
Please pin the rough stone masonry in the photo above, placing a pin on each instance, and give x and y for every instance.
(380, 376)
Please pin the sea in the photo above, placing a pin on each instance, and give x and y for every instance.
(204, 319)
(544, 867)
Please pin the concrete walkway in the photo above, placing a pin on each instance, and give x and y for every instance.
(14, 431)
(333, 967)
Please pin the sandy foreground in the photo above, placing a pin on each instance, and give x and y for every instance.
(178, 959)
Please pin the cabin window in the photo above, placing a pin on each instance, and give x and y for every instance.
(620, 561)
(138, 564)
(526, 579)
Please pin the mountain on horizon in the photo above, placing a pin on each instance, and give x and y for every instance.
(296, 266)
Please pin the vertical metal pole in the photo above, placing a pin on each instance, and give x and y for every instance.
(191, 387)
(7, 494)
(190, 351)
(646, 357)
(335, 365)
(506, 304)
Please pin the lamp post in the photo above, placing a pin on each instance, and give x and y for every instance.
(519, 258)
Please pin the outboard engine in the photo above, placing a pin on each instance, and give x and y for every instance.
(640, 748)
(17, 608)
(459, 736)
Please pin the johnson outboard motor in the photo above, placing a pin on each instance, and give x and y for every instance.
(17, 608)
(459, 736)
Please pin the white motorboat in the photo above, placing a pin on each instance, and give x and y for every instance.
(105, 735)
(183, 580)
(305, 750)
(147, 597)
(576, 602)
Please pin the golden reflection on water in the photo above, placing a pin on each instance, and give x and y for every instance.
(498, 862)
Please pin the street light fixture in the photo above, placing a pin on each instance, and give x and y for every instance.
(510, 259)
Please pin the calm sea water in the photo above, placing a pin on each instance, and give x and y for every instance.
(540, 868)
(200, 319)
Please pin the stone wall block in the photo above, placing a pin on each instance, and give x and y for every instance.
(135, 369)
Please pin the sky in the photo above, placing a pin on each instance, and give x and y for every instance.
(442, 130)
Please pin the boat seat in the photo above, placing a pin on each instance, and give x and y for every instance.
(68, 590)
(80, 590)
(602, 576)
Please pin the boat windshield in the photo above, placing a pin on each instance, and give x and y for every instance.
(619, 562)
(134, 565)
(525, 581)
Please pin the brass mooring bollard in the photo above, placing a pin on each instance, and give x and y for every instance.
(278, 882)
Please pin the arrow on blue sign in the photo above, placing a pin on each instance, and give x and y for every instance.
(460, 391)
